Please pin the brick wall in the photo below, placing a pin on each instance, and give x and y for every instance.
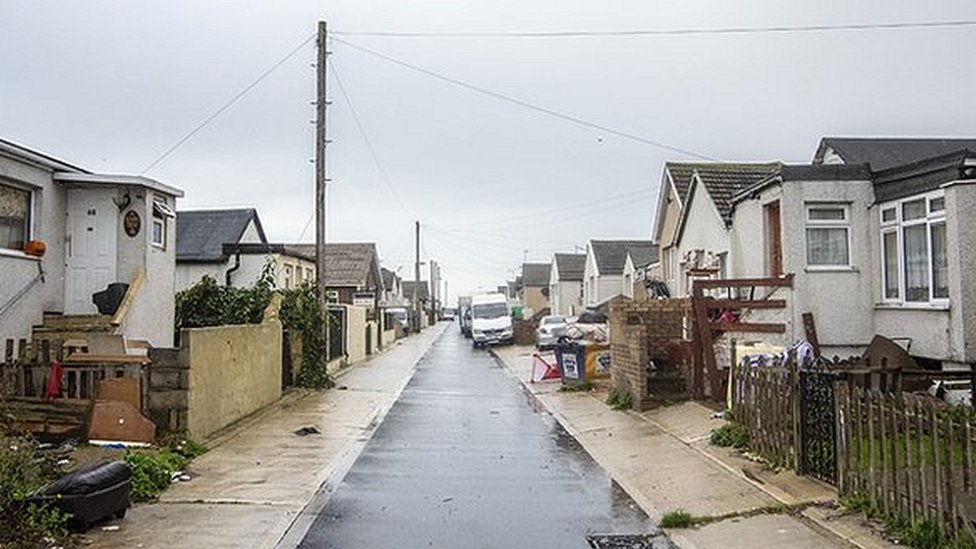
(642, 331)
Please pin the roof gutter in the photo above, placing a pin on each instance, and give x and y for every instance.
(232, 270)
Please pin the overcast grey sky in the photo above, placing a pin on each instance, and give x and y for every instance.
(111, 85)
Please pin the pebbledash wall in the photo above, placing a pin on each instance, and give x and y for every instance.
(641, 331)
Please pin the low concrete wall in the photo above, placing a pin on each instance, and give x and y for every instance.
(234, 371)
(355, 333)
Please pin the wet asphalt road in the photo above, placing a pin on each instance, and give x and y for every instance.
(465, 459)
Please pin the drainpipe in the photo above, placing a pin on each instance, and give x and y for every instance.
(237, 265)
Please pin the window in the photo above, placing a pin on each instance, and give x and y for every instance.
(828, 236)
(161, 211)
(288, 276)
(15, 208)
(915, 267)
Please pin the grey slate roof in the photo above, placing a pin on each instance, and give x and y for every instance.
(883, 153)
(611, 255)
(201, 234)
(346, 263)
(570, 266)
(423, 290)
(642, 256)
(535, 274)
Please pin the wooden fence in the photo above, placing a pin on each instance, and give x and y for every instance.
(765, 401)
(26, 366)
(913, 457)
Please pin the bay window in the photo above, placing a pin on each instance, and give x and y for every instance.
(913, 250)
(15, 218)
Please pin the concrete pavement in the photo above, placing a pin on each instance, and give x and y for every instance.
(250, 488)
(662, 458)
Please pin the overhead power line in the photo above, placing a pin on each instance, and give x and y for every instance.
(369, 144)
(227, 105)
(525, 104)
(582, 33)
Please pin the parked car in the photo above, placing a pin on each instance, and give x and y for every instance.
(400, 313)
(447, 313)
(550, 328)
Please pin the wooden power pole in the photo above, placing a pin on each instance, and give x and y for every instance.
(416, 277)
(321, 140)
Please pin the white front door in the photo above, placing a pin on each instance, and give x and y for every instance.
(90, 245)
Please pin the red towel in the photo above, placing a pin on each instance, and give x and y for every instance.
(53, 389)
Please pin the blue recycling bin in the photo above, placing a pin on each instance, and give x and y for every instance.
(571, 359)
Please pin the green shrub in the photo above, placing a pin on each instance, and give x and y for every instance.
(24, 469)
(207, 303)
(189, 448)
(677, 519)
(620, 400)
(152, 472)
(731, 434)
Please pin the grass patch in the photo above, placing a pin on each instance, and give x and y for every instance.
(683, 519)
(677, 519)
(921, 534)
(620, 400)
(152, 471)
(576, 387)
(731, 434)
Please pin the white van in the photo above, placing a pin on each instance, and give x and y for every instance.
(490, 320)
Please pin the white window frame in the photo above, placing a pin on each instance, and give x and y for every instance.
(828, 224)
(29, 222)
(158, 215)
(897, 226)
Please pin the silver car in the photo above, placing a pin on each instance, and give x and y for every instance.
(550, 329)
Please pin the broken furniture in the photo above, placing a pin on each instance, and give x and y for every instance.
(89, 494)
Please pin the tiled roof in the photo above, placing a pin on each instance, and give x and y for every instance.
(201, 234)
(611, 255)
(423, 292)
(883, 153)
(681, 177)
(725, 180)
(535, 274)
(570, 266)
(389, 278)
(346, 263)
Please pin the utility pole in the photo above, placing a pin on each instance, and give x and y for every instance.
(416, 277)
(321, 141)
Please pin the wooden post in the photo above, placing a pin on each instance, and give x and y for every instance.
(909, 470)
(896, 492)
(937, 463)
(967, 450)
(950, 499)
(871, 446)
(321, 140)
(922, 473)
(885, 492)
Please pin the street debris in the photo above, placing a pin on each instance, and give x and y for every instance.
(307, 430)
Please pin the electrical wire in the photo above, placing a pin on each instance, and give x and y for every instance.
(227, 105)
(525, 104)
(369, 144)
(560, 209)
(662, 32)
